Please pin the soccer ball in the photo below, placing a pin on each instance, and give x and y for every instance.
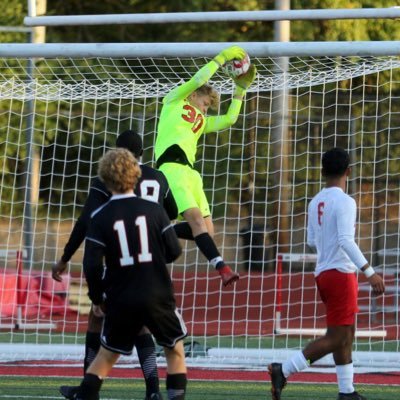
(236, 68)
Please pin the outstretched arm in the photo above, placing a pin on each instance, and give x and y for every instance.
(219, 122)
(203, 75)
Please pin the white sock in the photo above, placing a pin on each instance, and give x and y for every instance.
(345, 376)
(215, 261)
(295, 364)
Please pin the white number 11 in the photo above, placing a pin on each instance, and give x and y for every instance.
(144, 255)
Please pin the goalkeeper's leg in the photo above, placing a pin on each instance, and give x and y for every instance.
(193, 205)
(203, 230)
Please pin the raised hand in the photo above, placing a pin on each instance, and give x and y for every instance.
(243, 82)
(231, 53)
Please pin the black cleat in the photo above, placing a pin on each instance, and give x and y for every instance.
(154, 396)
(350, 396)
(73, 393)
(69, 392)
(278, 380)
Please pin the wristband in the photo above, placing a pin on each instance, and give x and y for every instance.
(240, 92)
(368, 272)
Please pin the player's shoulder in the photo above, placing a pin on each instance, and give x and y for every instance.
(176, 95)
(99, 211)
(99, 186)
(150, 204)
(348, 199)
(151, 173)
(341, 194)
(343, 201)
(147, 170)
(149, 208)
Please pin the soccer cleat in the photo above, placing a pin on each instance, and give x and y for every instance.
(350, 396)
(278, 380)
(78, 396)
(154, 396)
(227, 275)
(69, 392)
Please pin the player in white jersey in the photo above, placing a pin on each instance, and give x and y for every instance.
(330, 232)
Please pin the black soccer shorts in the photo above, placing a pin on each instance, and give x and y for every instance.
(122, 324)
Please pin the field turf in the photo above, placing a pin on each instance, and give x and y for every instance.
(37, 388)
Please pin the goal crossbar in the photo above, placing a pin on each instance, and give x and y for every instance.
(213, 16)
(186, 49)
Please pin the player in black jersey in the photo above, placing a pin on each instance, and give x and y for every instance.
(135, 240)
(152, 185)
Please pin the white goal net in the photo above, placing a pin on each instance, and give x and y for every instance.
(56, 122)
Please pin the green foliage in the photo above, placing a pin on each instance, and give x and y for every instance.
(16, 10)
(13, 15)
(177, 32)
(234, 152)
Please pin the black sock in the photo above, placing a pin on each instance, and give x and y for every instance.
(176, 386)
(92, 346)
(183, 231)
(90, 387)
(146, 351)
(207, 246)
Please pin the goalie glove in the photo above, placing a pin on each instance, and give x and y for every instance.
(243, 82)
(227, 275)
(231, 53)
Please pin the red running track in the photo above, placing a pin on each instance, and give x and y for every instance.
(50, 369)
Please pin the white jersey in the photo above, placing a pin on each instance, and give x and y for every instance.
(331, 231)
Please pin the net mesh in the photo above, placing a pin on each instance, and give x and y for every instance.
(259, 176)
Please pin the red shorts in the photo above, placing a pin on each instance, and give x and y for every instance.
(339, 292)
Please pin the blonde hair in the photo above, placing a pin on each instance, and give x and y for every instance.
(208, 90)
(119, 170)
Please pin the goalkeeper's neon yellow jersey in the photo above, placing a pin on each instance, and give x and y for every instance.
(182, 124)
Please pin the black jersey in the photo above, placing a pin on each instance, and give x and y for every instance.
(135, 239)
(152, 185)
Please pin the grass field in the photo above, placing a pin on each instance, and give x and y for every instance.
(45, 387)
(121, 389)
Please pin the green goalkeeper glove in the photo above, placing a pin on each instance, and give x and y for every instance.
(234, 52)
(243, 82)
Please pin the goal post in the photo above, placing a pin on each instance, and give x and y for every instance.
(258, 183)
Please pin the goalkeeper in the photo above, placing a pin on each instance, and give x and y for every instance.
(182, 122)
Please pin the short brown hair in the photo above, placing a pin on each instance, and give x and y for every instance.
(208, 90)
(119, 170)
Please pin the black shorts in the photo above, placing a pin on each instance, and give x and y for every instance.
(123, 323)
